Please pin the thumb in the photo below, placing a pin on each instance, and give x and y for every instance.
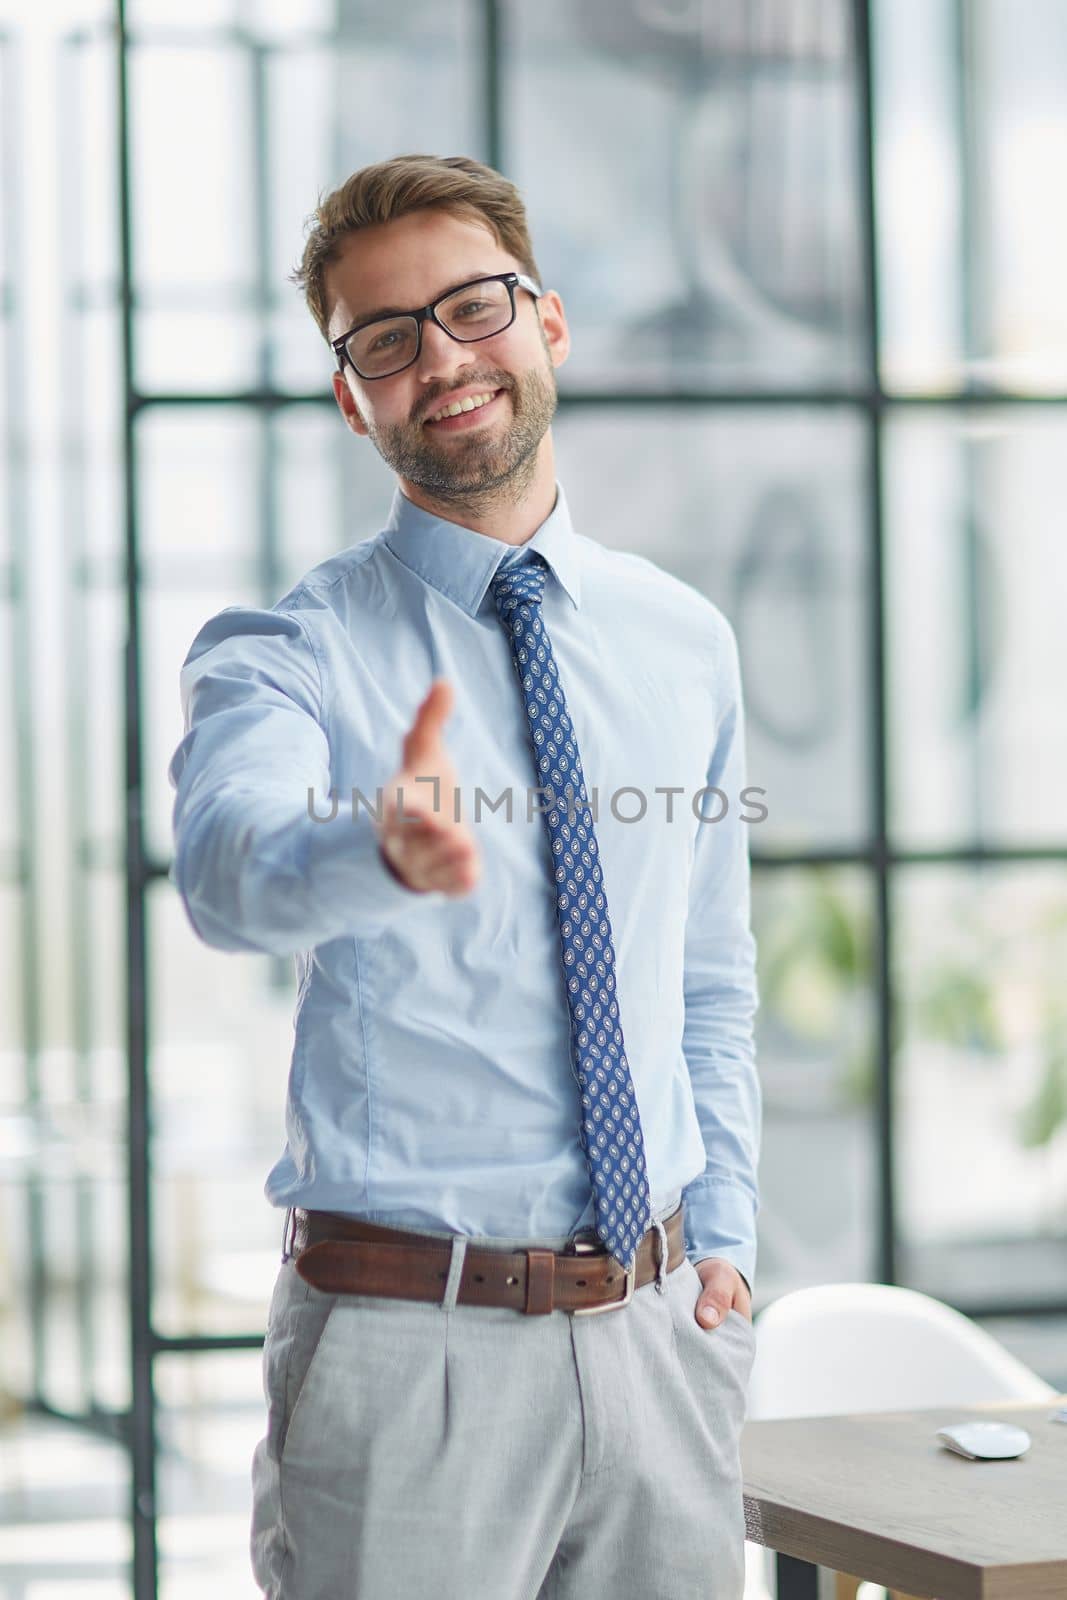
(436, 707)
(708, 1312)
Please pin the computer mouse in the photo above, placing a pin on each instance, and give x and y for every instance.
(987, 1440)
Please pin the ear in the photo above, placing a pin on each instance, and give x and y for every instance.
(554, 325)
(346, 400)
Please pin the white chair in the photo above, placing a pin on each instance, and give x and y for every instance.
(842, 1347)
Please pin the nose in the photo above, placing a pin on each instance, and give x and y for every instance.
(441, 356)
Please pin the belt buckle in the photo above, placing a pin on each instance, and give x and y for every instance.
(588, 1247)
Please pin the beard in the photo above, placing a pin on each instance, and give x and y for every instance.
(469, 470)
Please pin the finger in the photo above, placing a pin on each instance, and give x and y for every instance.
(428, 845)
(416, 805)
(411, 846)
(445, 855)
(420, 744)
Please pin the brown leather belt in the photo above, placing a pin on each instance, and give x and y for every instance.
(342, 1255)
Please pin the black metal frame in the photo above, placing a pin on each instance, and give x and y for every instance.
(510, 280)
(877, 857)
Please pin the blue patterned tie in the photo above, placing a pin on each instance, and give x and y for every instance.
(610, 1127)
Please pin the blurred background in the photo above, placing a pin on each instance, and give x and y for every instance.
(814, 266)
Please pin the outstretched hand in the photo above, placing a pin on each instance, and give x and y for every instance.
(433, 851)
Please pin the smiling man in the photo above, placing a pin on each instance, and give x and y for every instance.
(508, 1349)
(466, 431)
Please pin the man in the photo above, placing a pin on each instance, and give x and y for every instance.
(508, 1347)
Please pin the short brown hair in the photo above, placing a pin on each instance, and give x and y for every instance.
(393, 188)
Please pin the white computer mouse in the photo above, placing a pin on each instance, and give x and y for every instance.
(988, 1440)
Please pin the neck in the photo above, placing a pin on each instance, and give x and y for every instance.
(511, 511)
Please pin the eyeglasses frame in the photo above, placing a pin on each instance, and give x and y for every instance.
(511, 280)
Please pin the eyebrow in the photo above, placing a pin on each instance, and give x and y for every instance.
(404, 311)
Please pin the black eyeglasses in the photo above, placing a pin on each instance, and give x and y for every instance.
(472, 311)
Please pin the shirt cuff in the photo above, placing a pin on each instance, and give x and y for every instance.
(345, 860)
(720, 1221)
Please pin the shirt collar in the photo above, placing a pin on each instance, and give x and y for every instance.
(461, 563)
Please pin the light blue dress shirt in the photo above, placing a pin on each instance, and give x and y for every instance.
(431, 1082)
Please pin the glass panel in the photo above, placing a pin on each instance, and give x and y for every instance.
(13, 677)
(80, 1161)
(724, 251)
(212, 260)
(263, 20)
(224, 1044)
(193, 235)
(103, 970)
(333, 488)
(1037, 1341)
(61, 1148)
(972, 139)
(14, 685)
(981, 1081)
(66, 1157)
(212, 1415)
(62, 1203)
(64, 1499)
(816, 1049)
(9, 65)
(94, 506)
(145, 14)
(12, 1018)
(411, 80)
(17, 1150)
(252, 502)
(88, 175)
(95, 690)
(81, 1269)
(199, 491)
(65, 1378)
(764, 514)
(919, 198)
(16, 1323)
(213, 352)
(392, 81)
(9, 355)
(303, 86)
(978, 656)
(1020, 320)
(194, 243)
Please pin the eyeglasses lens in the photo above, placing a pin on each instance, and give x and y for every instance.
(476, 312)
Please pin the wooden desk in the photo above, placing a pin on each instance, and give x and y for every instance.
(877, 1496)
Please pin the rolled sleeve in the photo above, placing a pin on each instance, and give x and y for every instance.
(254, 869)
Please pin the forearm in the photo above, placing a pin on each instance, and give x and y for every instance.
(255, 875)
(721, 999)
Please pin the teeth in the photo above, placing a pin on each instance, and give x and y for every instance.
(473, 402)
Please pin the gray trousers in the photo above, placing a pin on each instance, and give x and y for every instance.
(416, 1449)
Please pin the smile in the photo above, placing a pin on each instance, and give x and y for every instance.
(463, 413)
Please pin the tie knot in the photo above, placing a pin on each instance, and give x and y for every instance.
(521, 583)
